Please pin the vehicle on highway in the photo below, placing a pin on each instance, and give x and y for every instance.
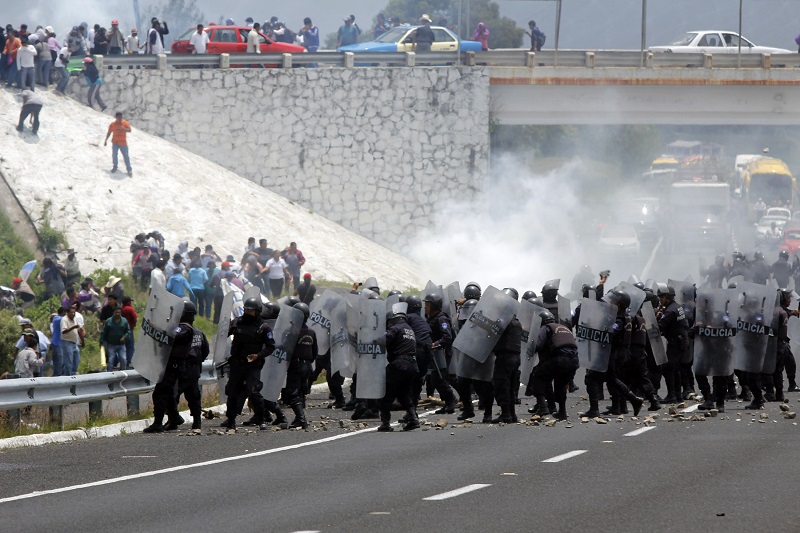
(778, 212)
(791, 240)
(233, 40)
(644, 215)
(715, 42)
(400, 39)
(767, 178)
(763, 227)
(705, 216)
(620, 239)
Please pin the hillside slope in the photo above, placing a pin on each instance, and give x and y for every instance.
(66, 171)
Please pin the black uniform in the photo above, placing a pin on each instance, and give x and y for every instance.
(782, 272)
(687, 376)
(183, 369)
(401, 348)
(305, 352)
(675, 328)
(558, 362)
(251, 335)
(758, 272)
(635, 372)
(774, 382)
(506, 367)
(422, 334)
(442, 337)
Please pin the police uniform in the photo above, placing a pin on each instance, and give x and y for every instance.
(251, 335)
(442, 336)
(401, 348)
(636, 370)
(558, 362)
(506, 367)
(305, 352)
(675, 328)
(423, 341)
(189, 350)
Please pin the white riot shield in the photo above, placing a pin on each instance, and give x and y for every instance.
(391, 300)
(593, 334)
(487, 322)
(653, 334)
(565, 311)
(637, 295)
(525, 315)
(634, 279)
(253, 292)
(716, 316)
(684, 291)
(286, 333)
(756, 310)
(343, 358)
(222, 345)
(529, 357)
(320, 318)
(371, 369)
(161, 316)
(452, 293)
(467, 367)
(771, 355)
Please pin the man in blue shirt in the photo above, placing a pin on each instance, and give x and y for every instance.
(178, 285)
(310, 34)
(55, 342)
(347, 34)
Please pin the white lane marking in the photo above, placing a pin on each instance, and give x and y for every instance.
(639, 431)
(187, 467)
(139, 456)
(691, 408)
(564, 456)
(307, 531)
(457, 492)
(651, 260)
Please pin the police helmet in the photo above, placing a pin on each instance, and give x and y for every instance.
(649, 296)
(372, 284)
(373, 296)
(547, 317)
(587, 289)
(732, 285)
(466, 309)
(639, 285)
(189, 311)
(273, 309)
(253, 304)
(620, 298)
(292, 300)
(527, 295)
(393, 292)
(784, 254)
(413, 301)
(402, 298)
(666, 290)
(472, 291)
(537, 301)
(434, 299)
(304, 308)
(759, 256)
(511, 292)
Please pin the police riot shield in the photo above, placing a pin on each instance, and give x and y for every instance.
(593, 334)
(253, 292)
(551, 285)
(487, 322)
(391, 300)
(222, 345)
(353, 310)
(525, 315)
(342, 352)
(735, 280)
(161, 317)
(771, 355)
(371, 369)
(565, 311)
(634, 279)
(654, 334)
(467, 367)
(637, 295)
(716, 316)
(286, 333)
(529, 358)
(756, 310)
(452, 293)
(794, 333)
(320, 318)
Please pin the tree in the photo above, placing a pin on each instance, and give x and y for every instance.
(181, 15)
(504, 31)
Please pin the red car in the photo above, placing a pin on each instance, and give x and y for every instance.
(791, 240)
(233, 40)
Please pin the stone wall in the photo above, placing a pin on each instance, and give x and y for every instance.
(374, 149)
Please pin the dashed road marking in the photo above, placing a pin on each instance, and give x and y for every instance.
(457, 492)
(564, 456)
(639, 431)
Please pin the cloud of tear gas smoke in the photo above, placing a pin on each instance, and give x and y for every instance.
(521, 231)
(62, 16)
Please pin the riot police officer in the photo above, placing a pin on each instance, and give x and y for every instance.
(558, 362)
(506, 367)
(422, 336)
(305, 352)
(781, 270)
(675, 328)
(620, 355)
(189, 350)
(252, 343)
(442, 336)
(401, 347)
(758, 271)
(784, 352)
(716, 273)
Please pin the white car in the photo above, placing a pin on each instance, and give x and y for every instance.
(763, 227)
(715, 42)
(619, 238)
(780, 212)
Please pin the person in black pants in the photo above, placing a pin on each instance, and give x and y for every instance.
(401, 347)
(558, 356)
(189, 350)
(299, 370)
(31, 106)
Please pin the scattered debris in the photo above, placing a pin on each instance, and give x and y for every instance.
(790, 415)
(600, 420)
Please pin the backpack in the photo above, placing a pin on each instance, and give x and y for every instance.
(540, 39)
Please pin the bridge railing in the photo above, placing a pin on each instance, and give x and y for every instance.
(491, 58)
(20, 393)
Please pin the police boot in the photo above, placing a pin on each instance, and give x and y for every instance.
(386, 419)
(623, 406)
(654, 404)
(338, 402)
(280, 418)
(769, 393)
(792, 386)
(197, 423)
(594, 409)
(540, 408)
(155, 427)
(721, 406)
(636, 403)
(412, 420)
(561, 414)
(351, 404)
(551, 407)
(449, 404)
(255, 420)
(745, 395)
(758, 401)
(174, 423)
(299, 417)
(468, 412)
(572, 386)
(707, 403)
(505, 416)
(512, 413)
(614, 408)
(487, 414)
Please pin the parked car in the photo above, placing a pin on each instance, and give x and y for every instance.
(715, 42)
(791, 240)
(763, 225)
(619, 239)
(781, 212)
(233, 40)
(399, 39)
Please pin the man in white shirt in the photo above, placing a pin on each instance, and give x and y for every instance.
(198, 42)
(157, 276)
(26, 56)
(61, 67)
(253, 44)
(70, 340)
(132, 42)
(31, 105)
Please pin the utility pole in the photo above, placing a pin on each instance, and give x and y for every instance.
(137, 15)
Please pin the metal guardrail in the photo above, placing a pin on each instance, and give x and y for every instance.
(67, 390)
(491, 58)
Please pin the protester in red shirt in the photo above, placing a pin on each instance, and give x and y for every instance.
(129, 314)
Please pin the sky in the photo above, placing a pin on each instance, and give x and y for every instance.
(766, 22)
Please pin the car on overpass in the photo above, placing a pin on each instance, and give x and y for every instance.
(400, 39)
(715, 42)
(233, 40)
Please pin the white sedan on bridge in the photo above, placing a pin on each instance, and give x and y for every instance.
(715, 42)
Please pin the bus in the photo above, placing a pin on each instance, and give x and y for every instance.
(768, 179)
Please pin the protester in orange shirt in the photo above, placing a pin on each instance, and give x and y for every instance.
(10, 56)
(118, 131)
